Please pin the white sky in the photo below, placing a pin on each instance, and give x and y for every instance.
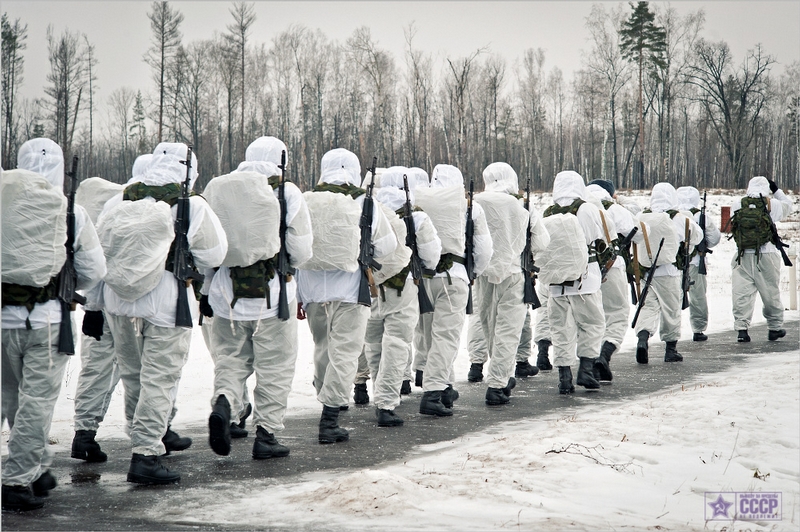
(121, 31)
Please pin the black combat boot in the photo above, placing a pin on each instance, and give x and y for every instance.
(20, 499)
(329, 429)
(642, 347)
(237, 431)
(475, 372)
(150, 470)
(449, 396)
(743, 336)
(42, 485)
(219, 427)
(418, 379)
(243, 420)
(585, 376)
(405, 388)
(512, 383)
(543, 358)
(525, 369)
(387, 418)
(565, 380)
(495, 396)
(699, 337)
(266, 446)
(602, 366)
(84, 447)
(774, 335)
(173, 442)
(671, 354)
(431, 404)
(360, 394)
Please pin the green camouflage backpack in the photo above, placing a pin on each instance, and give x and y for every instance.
(751, 225)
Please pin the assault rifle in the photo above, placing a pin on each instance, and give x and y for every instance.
(623, 246)
(529, 269)
(469, 246)
(68, 277)
(647, 282)
(183, 262)
(775, 238)
(616, 252)
(702, 247)
(283, 269)
(418, 270)
(686, 281)
(366, 256)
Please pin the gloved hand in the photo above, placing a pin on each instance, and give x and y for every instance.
(301, 314)
(205, 308)
(773, 186)
(93, 324)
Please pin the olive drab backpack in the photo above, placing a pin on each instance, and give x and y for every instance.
(751, 225)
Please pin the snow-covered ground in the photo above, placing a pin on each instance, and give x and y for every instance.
(643, 463)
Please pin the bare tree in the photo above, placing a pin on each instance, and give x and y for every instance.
(732, 100)
(457, 87)
(67, 79)
(243, 17)
(121, 103)
(166, 39)
(91, 77)
(13, 36)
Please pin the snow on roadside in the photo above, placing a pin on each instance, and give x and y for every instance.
(644, 463)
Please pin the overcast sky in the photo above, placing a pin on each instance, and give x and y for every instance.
(121, 32)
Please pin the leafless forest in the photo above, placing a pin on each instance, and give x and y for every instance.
(654, 100)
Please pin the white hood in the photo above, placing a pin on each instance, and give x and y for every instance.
(567, 187)
(45, 157)
(391, 192)
(267, 149)
(663, 198)
(419, 177)
(140, 165)
(500, 177)
(445, 175)
(688, 198)
(260, 167)
(758, 186)
(598, 192)
(340, 166)
(167, 166)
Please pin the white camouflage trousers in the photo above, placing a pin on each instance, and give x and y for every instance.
(542, 331)
(388, 342)
(616, 306)
(150, 359)
(443, 327)
(208, 324)
(502, 315)
(33, 371)
(476, 341)
(98, 379)
(577, 327)
(757, 275)
(698, 305)
(338, 330)
(267, 347)
(662, 309)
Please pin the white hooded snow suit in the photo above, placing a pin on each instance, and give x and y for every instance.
(32, 367)
(759, 273)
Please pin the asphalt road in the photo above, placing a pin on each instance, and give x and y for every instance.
(97, 496)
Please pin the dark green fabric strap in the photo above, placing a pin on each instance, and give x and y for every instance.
(347, 189)
(572, 208)
(169, 193)
(275, 181)
(252, 282)
(607, 204)
(28, 296)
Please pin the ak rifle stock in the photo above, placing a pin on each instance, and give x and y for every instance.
(702, 247)
(418, 270)
(529, 269)
(366, 256)
(469, 247)
(284, 270)
(182, 258)
(68, 277)
(648, 281)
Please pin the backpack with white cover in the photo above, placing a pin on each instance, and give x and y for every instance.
(93, 193)
(136, 237)
(566, 257)
(398, 259)
(250, 215)
(334, 224)
(660, 226)
(446, 207)
(508, 221)
(34, 219)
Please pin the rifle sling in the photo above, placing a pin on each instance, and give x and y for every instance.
(647, 243)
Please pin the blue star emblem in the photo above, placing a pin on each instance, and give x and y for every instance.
(720, 507)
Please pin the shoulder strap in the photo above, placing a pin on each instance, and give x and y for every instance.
(605, 226)
(646, 241)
